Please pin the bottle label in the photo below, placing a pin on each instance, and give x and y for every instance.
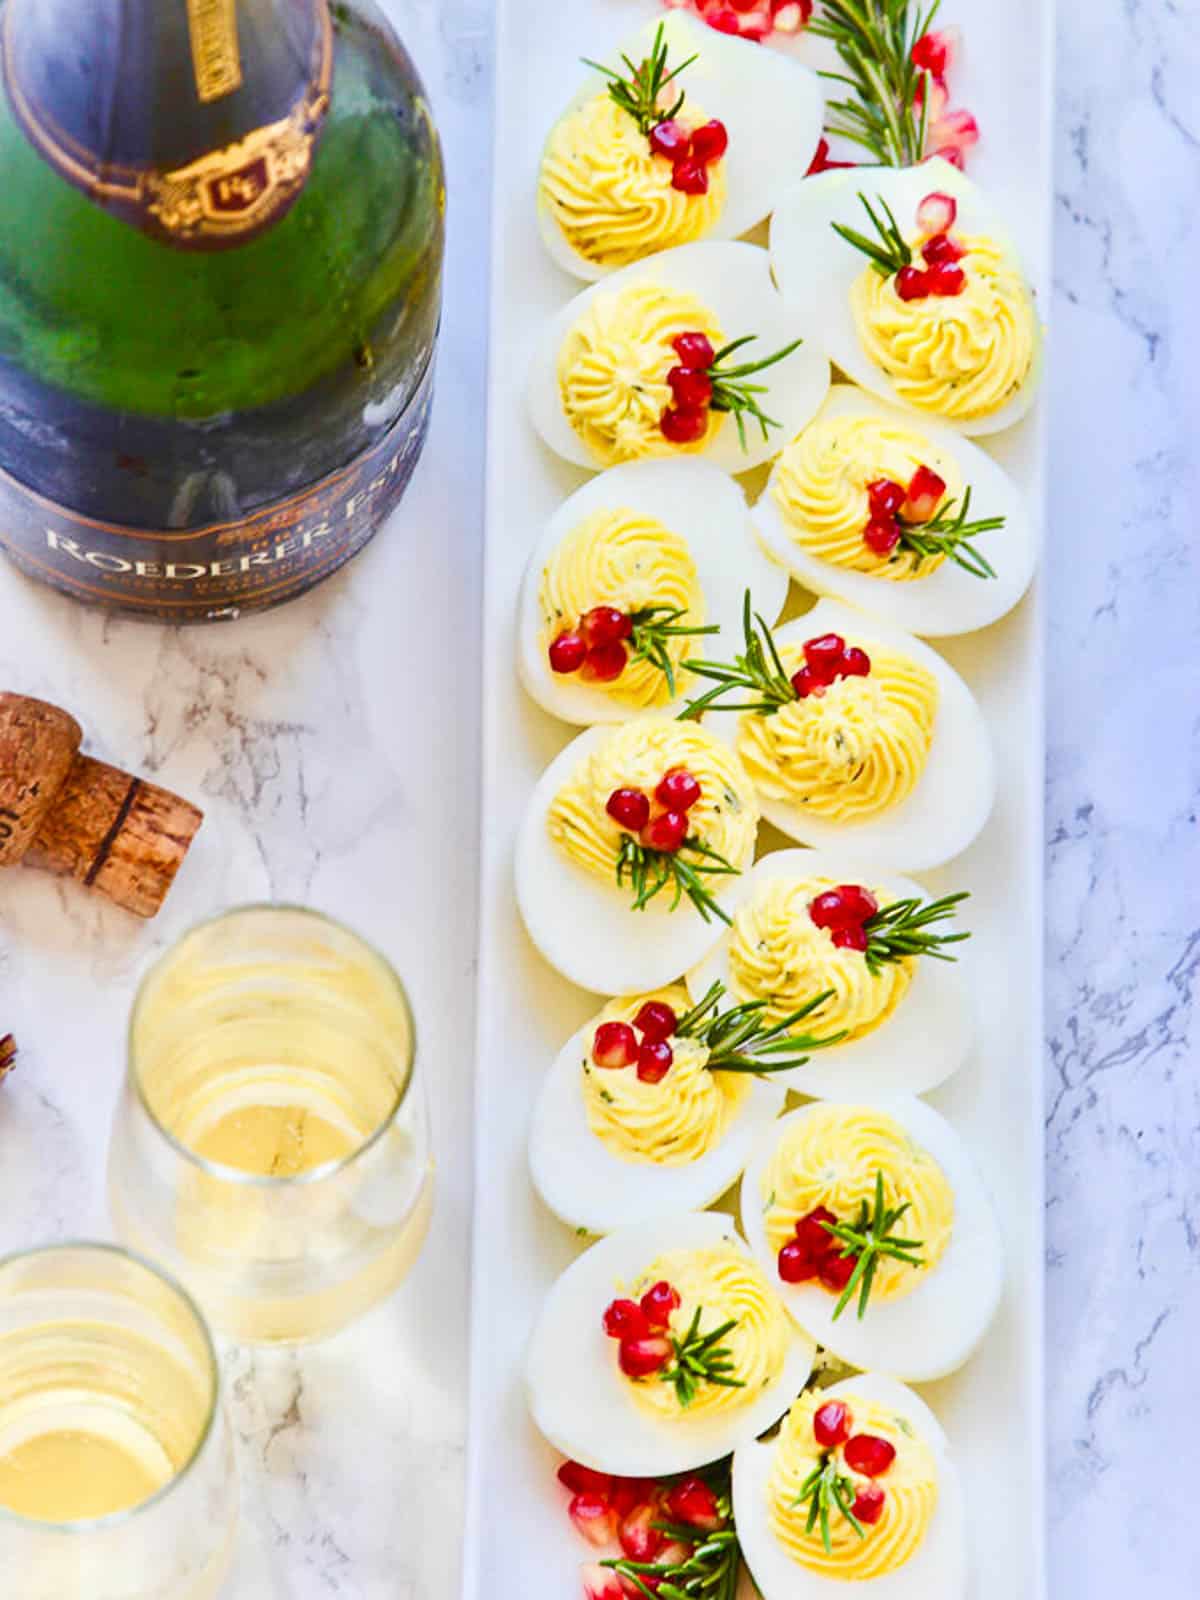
(216, 59)
(218, 571)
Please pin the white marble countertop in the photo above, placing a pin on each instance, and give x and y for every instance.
(352, 1454)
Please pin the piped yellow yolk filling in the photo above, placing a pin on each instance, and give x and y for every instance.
(638, 755)
(778, 954)
(959, 356)
(830, 1157)
(670, 1123)
(612, 197)
(910, 1487)
(620, 558)
(613, 365)
(724, 1285)
(820, 486)
(854, 750)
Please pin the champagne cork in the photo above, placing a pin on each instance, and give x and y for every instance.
(65, 813)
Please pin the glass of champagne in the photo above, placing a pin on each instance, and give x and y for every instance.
(117, 1479)
(271, 1144)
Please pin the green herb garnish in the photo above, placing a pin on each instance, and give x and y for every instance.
(870, 1238)
(638, 90)
(648, 872)
(738, 1040)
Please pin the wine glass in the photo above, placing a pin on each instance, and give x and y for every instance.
(117, 1479)
(271, 1143)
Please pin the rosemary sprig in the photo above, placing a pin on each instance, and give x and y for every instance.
(700, 1358)
(757, 669)
(949, 534)
(738, 1041)
(731, 392)
(639, 89)
(650, 871)
(874, 39)
(870, 1238)
(711, 1569)
(827, 1492)
(653, 626)
(902, 929)
(888, 252)
(8, 1054)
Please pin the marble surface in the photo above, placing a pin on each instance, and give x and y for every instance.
(351, 1455)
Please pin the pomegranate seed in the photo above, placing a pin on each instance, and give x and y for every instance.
(911, 284)
(812, 1235)
(678, 791)
(939, 97)
(614, 1045)
(924, 494)
(656, 1021)
(625, 1319)
(710, 142)
(831, 1424)
(630, 808)
(868, 1504)
(743, 6)
(821, 161)
(604, 662)
(692, 389)
(952, 154)
(806, 682)
(827, 910)
(567, 652)
(605, 625)
(941, 249)
(724, 21)
(640, 1357)
(599, 1583)
(853, 938)
(937, 213)
(654, 1060)
(836, 1271)
(579, 1479)
(957, 129)
(885, 496)
(856, 663)
(823, 655)
(689, 177)
(932, 52)
(670, 140)
(881, 535)
(859, 904)
(695, 350)
(629, 1493)
(640, 1540)
(593, 1517)
(683, 425)
(694, 1504)
(666, 832)
(868, 1454)
(947, 278)
(795, 1263)
(790, 15)
(658, 1302)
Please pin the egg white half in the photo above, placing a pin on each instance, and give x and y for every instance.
(935, 1328)
(692, 498)
(949, 600)
(937, 1570)
(924, 1041)
(577, 1395)
(734, 280)
(585, 926)
(766, 101)
(950, 802)
(815, 267)
(588, 1186)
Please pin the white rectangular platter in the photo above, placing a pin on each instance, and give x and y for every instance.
(519, 1542)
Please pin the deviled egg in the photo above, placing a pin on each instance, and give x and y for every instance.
(857, 1487)
(662, 145)
(909, 282)
(631, 577)
(879, 946)
(632, 853)
(687, 353)
(902, 517)
(878, 1233)
(857, 736)
(623, 1372)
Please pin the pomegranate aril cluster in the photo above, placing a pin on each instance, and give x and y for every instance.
(757, 20)
(844, 912)
(889, 500)
(826, 659)
(617, 1044)
(690, 153)
(606, 1509)
(640, 1328)
(941, 276)
(685, 420)
(814, 1253)
(864, 1453)
(950, 133)
(595, 649)
(662, 826)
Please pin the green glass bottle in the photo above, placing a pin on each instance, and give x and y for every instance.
(221, 235)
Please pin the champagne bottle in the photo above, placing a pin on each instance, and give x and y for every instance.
(221, 234)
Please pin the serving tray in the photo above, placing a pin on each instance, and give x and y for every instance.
(519, 1542)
